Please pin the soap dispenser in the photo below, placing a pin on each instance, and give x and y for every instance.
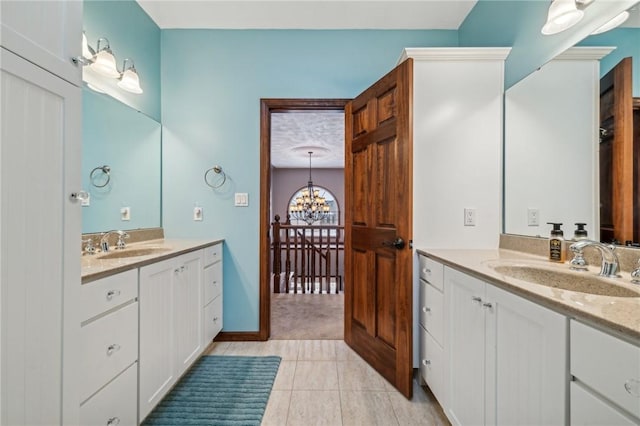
(580, 233)
(556, 253)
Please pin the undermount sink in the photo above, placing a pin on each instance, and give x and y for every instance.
(583, 282)
(142, 251)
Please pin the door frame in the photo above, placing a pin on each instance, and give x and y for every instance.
(267, 107)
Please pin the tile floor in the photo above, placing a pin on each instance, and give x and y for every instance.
(324, 382)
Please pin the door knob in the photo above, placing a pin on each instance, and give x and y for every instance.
(398, 243)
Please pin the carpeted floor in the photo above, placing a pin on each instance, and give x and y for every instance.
(219, 390)
(307, 316)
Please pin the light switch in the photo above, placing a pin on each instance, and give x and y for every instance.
(125, 213)
(241, 199)
(86, 202)
(197, 213)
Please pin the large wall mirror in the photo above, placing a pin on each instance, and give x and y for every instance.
(552, 137)
(121, 165)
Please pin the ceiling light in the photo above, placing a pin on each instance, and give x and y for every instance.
(309, 207)
(618, 20)
(104, 62)
(563, 14)
(129, 79)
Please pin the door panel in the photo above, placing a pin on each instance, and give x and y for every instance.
(378, 274)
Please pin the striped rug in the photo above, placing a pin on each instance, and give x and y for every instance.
(219, 390)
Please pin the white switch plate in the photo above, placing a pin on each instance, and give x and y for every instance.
(533, 217)
(469, 217)
(241, 199)
(125, 213)
(197, 213)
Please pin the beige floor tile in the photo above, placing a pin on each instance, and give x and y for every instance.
(358, 375)
(317, 350)
(245, 348)
(366, 408)
(309, 408)
(218, 348)
(345, 353)
(284, 378)
(277, 408)
(316, 375)
(423, 409)
(285, 349)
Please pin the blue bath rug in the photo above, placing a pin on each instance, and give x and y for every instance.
(220, 391)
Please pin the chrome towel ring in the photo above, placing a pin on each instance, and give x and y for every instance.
(219, 181)
(106, 171)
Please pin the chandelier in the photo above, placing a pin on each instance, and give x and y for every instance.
(309, 206)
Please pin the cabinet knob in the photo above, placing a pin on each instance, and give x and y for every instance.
(112, 293)
(426, 309)
(427, 271)
(632, 386)
(487, 305)
(215, 319)
(477, 299)
(426, 362)
(113, 348)
(113, 421)
(80, 195)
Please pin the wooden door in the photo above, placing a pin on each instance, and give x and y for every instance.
(616, 155)
(378, 226)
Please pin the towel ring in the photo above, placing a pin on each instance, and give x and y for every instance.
(217, 170)
(106, 170)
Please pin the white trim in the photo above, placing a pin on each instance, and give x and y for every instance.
(585, 53)
(455, 53)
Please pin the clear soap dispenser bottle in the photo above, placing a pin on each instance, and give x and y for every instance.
(580, 233)
(556, 253)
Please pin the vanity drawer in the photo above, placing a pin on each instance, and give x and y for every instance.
(212, 282)
(212, 254)
(606, 364)
(212, 320)
(431, 363)
(432, 272)
(108, 346)
(115, 404)
(431, 310)
(101, 295)
(588, 409)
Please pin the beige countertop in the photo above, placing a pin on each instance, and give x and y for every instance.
(93, 267)
(620, 315)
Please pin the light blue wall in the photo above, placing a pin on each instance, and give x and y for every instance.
(517, 23)
(212, 83)
(131, 34)
(627, 41)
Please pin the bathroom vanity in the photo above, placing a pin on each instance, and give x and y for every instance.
(148, 312)
(498, 348)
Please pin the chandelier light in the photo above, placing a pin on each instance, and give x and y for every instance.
(309, 207)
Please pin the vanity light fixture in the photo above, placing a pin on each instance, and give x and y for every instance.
(129, 79)
(87, 51)
(104, 62)
(613, 23)
(563, 14)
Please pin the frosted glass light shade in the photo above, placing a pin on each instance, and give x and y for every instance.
(86, 51)
(563, 14)
(105, 64)
(618, 20)
(130, 81)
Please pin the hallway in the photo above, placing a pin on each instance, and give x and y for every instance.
(325, 382)
(307, 316)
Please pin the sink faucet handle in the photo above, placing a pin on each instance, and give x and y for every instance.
(635, 274)
(121, 237)
(89, 248)
(578, 263)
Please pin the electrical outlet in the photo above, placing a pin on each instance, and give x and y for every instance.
(125, 213)
(533, 217)
(197, 213)
(469, 217)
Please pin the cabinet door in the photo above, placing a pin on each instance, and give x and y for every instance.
(47, 33)
(465, 340)
(40, 230)
(157, 340)
(188, 309)
(526, 368)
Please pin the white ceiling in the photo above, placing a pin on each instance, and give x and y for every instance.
(308, 14)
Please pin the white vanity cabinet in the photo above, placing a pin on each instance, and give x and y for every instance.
(212, 293)
(605, 372)
(46, 33)
(431, 311)
(109, 350)
(507, 356)
(170, 324)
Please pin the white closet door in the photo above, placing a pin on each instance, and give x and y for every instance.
(40, 251)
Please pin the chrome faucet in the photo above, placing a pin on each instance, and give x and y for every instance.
(610, 262)
(635, 274)
(104, 241)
